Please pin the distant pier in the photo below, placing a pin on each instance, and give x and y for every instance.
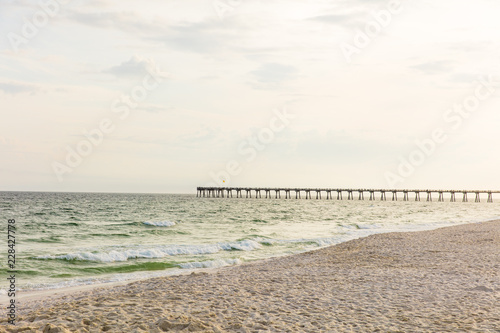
(340, 193)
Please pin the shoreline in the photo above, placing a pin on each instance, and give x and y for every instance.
(37, 295)
(445, 279)
(112, 280)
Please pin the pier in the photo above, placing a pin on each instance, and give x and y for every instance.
(341, 193)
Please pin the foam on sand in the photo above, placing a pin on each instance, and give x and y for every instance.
(444, 280)
(210, 263)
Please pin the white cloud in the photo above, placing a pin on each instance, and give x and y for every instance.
(135, 67)
(15, 88)
(435, 67)
(272, 76)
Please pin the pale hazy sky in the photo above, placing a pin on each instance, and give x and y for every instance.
(173, 91)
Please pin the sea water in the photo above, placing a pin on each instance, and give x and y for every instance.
(67, 239)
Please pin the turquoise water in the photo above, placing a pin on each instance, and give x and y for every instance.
(66, 239)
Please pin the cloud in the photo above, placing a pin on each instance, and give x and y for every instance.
(205, 36)
(331, 147)
(273, 73)
(351, 13)
(469, 46)
(464, 77)
(208, 36)
(15, 88)
(336, 19)
(213, 140)
(153, 108)
(434, 67)
(135, 67)
(126, 21)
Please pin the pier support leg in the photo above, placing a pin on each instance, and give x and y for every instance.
(226, 192)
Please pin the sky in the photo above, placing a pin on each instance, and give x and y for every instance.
(164, 96)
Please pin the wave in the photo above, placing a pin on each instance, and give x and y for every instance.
(360, 226)
(160, 223)
(51, 239)
(155, 252)
(69, 224)
(110, 235)
(128, 267)
(318, 241)
(210, 263)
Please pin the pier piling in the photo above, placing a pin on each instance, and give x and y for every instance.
(227, 192)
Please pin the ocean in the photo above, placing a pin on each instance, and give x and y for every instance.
(70, 239)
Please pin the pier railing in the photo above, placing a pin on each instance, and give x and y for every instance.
(340, 193)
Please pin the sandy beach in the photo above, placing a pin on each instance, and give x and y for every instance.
(445, 280)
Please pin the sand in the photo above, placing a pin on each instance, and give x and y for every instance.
(445, 280)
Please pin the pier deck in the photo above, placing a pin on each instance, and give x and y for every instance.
(340, 193)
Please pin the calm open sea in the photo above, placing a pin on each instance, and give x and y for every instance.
(66, 239)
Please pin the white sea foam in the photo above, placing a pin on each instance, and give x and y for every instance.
(319, 241)
(102, 279)
(360, 226)
(160, 223)
(160, 251)
(244, 245)
(210, 263)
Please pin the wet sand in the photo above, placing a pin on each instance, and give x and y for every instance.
(445, 280)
